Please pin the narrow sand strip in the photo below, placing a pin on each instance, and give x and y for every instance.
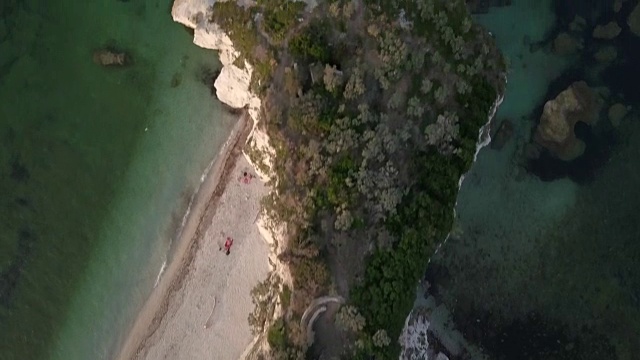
(200, 308)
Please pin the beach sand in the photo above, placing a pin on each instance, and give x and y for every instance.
(199, 309)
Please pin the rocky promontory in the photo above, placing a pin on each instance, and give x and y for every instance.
(365, 119)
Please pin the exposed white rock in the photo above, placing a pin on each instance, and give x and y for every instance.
(484, 139)
(190, 12)
(233, 83)
(232, 86)
(415, 345)
(210, 36)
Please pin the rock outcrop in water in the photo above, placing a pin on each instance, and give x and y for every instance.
(107, 57)
(110, 57)
(566, 44)
(555, 132)
(634, 21)
(607, 31)
(616, 113)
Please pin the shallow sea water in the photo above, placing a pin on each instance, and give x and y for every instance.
(549, 268)
(97, 167)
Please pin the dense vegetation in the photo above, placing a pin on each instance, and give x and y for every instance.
(373, 110)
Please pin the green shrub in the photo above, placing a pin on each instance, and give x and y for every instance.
(311, 44)
(238, 23)
(337, 191)
(280, 16)
(309, 274)
(285, 296)
(276, 335)
(424, 217)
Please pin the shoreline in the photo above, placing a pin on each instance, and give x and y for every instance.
(203, 208)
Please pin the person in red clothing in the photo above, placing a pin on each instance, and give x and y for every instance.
(227, 245)
(245, 177)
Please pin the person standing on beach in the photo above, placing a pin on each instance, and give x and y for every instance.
(245, 177)
(227, 245)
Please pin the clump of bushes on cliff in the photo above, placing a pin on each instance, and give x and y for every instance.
(310, 43)
(280, 16)
(373, 121)
(237, 22)
(256, 32)
(423, 219)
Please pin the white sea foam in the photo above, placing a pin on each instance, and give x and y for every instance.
(162, 268)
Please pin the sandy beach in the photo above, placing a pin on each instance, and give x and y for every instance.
(200, 307)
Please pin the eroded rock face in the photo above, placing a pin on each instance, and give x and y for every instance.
(190, 12)
(232, 85)
(634, 20)
(107, 57)
(555, 132)
(608, 31)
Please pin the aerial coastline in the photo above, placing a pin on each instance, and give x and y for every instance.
(298, 274)
(320, 180)
(210, 215)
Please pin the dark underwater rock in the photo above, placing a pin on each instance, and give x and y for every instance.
(483, 6)
(111, 57)
(502, 135)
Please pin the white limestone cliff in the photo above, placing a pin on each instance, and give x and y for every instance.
(233, 89)
(233, 83)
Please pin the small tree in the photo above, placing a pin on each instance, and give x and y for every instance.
(414, 107)
(381, 339)
(426, 86)
(355, 85)
(441, 95)
(443, 133)
(350, 318)
(332, 78)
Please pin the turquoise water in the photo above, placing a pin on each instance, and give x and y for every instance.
(97, 167)
(544, 262)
